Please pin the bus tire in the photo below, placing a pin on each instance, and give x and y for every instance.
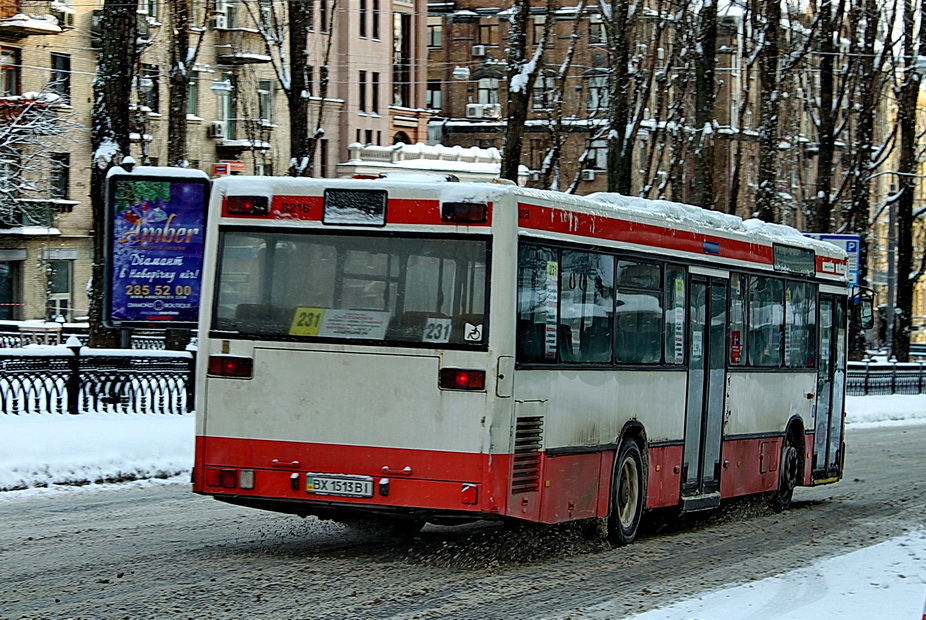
(627, 495)
(789, 474)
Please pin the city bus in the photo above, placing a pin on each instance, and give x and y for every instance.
(419, 350)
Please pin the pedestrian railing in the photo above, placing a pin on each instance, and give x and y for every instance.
(882, 378)
(75, 380)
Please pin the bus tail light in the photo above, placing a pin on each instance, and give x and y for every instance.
(231, 366)
(247, 205)
(462, 379)
(225, 478)
(464, 212)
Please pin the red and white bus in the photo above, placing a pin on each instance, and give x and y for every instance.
(420, 351)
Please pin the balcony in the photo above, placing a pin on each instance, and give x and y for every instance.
(240, 46)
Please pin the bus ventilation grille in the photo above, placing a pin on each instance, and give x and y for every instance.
(528, 439)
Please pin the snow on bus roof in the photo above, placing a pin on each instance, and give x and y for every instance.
(664, 211)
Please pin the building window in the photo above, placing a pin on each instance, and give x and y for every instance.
(434, 95)
(148, 87)
(369, 136)
(597, 158)
(488, 90)
(310, 80)
(265, 101)
(596, 30)
(362, 105)
(544, 87)
(59, 288)
(10, 289)
(401, 62)
(597, 92)
(59, 176)
(192, 103)
(9, 72)
(374, 85)
(488, 34)
(363, 19)
(435, 34)
(323, 15)
(376, 19)
(150, 7)
(61, 76)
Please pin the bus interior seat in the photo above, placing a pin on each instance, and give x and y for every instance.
(530, 341)
(259, 317)
(596, 341)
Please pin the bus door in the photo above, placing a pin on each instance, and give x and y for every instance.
(706, 387)
(831, 379)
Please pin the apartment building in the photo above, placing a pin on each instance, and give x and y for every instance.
(374, 52)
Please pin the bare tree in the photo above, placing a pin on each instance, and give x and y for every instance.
(767, 26)
(112, 88)
(705, 95)
(33, 127)
(907, 92)
(286, 37)
(522, 74)
(185, 42)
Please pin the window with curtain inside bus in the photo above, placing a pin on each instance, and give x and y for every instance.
(397, 290)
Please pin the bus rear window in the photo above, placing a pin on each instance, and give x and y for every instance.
(389, 289)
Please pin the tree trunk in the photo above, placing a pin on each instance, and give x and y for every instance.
(112, 88)
(856, 221)
(821, 212)
(181, 63)
(766, 199)
(906, 183)
(300, 142)
(705, 59)
(620, 151)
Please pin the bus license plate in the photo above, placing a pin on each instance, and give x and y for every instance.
(348, 486)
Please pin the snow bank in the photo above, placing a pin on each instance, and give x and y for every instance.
(44, 450)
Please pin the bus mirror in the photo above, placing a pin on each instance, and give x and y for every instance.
(866, 311)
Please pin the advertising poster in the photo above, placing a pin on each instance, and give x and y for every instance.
(156, 247)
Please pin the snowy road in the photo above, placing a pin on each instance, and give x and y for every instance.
(155, 550)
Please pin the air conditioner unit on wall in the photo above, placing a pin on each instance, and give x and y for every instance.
(479, 50)
(216, 129)
(64, 14)
(219, 22)
(492, 110)
(588, 175)
(475, 110)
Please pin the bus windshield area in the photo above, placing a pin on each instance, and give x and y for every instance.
(400, 290)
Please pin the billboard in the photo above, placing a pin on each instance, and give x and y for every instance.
(156, 224)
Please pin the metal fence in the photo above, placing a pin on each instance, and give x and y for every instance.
(881, 378)
(74, 380)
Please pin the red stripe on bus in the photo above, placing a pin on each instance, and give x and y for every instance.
(599, 227)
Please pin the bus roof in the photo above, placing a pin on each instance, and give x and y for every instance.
(662, 213)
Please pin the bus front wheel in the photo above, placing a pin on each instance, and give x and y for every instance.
(627, 495)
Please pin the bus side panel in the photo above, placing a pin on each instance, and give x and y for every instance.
(664, 481)
(571, 486)
(750, 466)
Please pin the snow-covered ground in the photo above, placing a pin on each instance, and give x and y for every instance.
(51, 453)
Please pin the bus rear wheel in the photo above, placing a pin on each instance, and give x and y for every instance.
(789, 475)
(627, 495)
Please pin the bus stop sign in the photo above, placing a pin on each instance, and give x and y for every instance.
(852, 245)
